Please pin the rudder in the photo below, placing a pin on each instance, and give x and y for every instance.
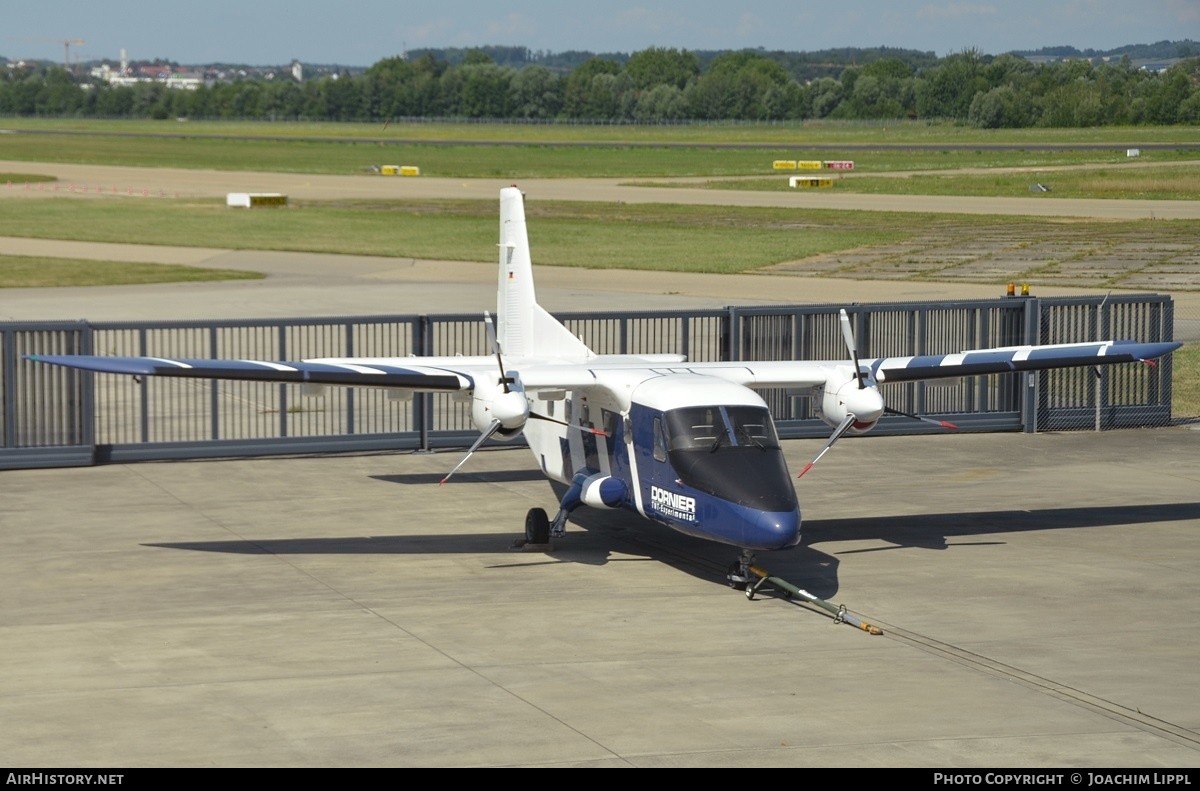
(524, 328)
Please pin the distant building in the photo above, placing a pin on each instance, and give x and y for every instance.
(125, 76)
(184, 81)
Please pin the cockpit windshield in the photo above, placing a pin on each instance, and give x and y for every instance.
(710, 427)
(731, 452)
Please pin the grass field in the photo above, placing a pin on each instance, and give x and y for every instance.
(1185, 382)
(19, 178)
(771, 135)
(615, 152)
(672, 238)
(870, 245)
(1180, 182)
(35, 272)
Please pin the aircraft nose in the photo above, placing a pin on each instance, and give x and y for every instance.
(773, 530)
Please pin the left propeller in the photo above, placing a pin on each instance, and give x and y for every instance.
(501, 408)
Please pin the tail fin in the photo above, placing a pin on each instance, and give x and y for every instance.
(523, 328)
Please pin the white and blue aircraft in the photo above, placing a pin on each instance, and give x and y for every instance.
(689, 445)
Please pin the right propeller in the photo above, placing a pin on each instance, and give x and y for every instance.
(850, 401)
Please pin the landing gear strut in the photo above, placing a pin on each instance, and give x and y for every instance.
(739, 574)
(539, 529)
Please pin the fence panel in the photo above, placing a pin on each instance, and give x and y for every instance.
(1108, 396)
(57, 416)
(47, 410)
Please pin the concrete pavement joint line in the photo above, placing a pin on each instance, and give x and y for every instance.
(989, 666)
(364, 608)
(1114, 711)
(132, 468)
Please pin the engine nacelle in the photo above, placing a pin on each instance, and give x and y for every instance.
(490, 403)
(604, 491)
(840, 396)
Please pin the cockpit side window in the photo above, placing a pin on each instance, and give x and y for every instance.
(660, 440)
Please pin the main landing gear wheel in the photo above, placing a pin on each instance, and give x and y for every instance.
(537, 527)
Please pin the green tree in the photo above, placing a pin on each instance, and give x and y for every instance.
(585, 95)
(1000, 108)
(660, 103)
(659, 66)
(478, 57)
(827, 93)
(58, 94)
(887, 69)
(485, 90)
(949, 88)
(1171, 91)
(536, 92)
(737, 85)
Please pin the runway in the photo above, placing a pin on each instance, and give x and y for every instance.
(1037, 592)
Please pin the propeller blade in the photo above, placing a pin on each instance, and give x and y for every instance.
(505, 380)
(887, 410)
(492, 429)
(851, 346)
(585, 429)
(842, 428)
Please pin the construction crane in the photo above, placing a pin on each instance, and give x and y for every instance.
(66, 42)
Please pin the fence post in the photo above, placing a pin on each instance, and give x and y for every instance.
(349, 326)
(731, 335)
(8, 380)
(87, 391)
(423, 402)
(283, 403)
(1103, 322)
(1162, 386)
(144, 386)
(1033, 334)
(214, 390)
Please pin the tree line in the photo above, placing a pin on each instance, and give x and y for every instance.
(658, 85)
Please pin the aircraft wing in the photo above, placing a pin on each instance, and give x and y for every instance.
(397, 372)
(448, 374)
(812, 373)
(1015, 358)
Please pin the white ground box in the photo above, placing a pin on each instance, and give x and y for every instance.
(247, 199)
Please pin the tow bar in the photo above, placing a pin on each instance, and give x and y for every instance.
(839, 612)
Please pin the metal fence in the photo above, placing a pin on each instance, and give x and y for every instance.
(60, 417)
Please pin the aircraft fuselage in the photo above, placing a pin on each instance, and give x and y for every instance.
(694, 453)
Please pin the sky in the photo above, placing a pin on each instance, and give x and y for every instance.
(361, 32)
